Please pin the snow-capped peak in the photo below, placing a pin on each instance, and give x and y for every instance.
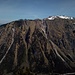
(62, 17)
(65, 17)
(52, 17)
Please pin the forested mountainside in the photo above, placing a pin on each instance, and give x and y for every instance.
(34, 47)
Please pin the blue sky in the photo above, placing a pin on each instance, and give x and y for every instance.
(11, 10)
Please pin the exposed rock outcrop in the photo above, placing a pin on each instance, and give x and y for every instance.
(30, 47)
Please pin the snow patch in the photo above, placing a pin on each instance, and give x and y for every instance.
(52, 17)
(62, 17)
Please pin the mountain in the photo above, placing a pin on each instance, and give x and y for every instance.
(38, 47)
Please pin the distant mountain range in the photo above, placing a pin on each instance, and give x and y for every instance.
(38, 47)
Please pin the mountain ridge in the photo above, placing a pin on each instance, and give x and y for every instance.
(37, 47)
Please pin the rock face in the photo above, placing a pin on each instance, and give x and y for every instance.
(36, 47)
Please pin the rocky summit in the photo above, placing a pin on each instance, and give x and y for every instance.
(38, 47)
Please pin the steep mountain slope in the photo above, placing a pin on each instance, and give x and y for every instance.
(30, 47)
